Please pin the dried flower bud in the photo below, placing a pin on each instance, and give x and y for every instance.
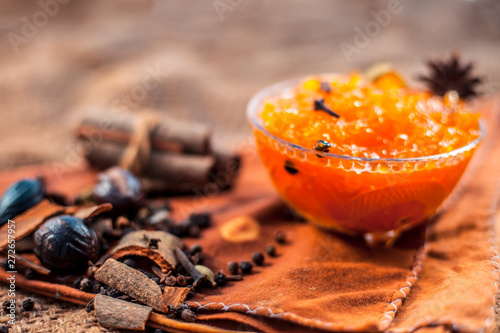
(19, 197)
(120, 188)
(65, 243)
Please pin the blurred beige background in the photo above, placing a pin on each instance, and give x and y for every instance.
(203, 60)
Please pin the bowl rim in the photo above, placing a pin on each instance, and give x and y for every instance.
(279, 87)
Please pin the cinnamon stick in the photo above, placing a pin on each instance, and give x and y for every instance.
(131, 282)
(171, 167)
(115, 313)
(170, 134)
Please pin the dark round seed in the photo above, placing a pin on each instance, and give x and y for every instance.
(202, 220)
(196, 248)
(28, 304)
(270, 250)
(280, 237)
(246, 267)
(233, 267)
(220, 279)
(258, 258)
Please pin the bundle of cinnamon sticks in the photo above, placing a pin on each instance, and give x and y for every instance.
(181, 157)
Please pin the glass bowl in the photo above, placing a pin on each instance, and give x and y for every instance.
(376, 198)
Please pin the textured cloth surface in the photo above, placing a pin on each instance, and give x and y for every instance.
(327, 281)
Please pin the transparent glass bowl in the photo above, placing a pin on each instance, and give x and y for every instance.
(376, 198)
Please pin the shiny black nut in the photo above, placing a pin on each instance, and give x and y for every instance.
(65, 243)
(19, 197)
(120, 188)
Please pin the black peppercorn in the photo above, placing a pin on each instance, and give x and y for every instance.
(28, 304)
(233, 267)
(120, 188)
(202, 220)
(19, 197)
(65, 243)
(196, 248)
(258, 258)
(270, 250)
(220, 279)
(280, 237)
(246, 267)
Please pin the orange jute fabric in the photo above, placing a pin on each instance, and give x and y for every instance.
(325, 281)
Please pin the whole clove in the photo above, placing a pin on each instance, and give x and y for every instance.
(153, 243)
(280, 237)
(319, 105)
(28, 304)
(169, 281)
(220, 279)
(234, 277)
(246, 267)
(233, 267)
(258, 258)
(199, 279)
(270, 250)
(181, 281)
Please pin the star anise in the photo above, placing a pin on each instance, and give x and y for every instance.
(450, 74)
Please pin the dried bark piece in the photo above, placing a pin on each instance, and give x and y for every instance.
(114, 313)
(89, 212)
(130, 282)
(137, 244)
(174, 296)
(27, 222)
(30, 220)
(240, 229)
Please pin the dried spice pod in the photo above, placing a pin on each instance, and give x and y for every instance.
(120, 188)
(65, 243)
(451, 75)
(19, 197)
